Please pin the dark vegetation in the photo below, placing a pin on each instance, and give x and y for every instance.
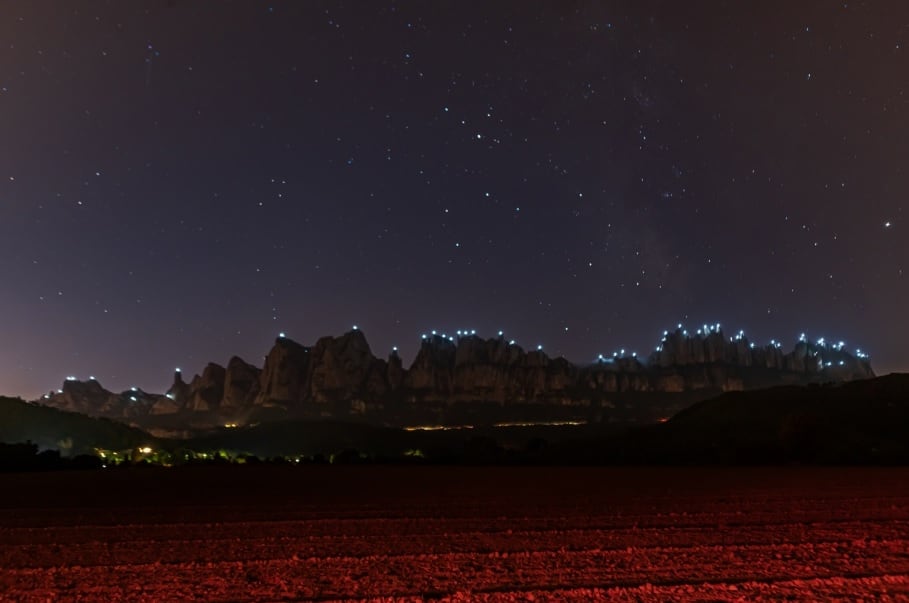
(71, 433)
(861, 422)
(26, 457)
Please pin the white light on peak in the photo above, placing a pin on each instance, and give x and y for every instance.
(134, 389)
(70, 378)
(394, 348)
(473, 332)
(539, 347)
(282, 335)
(679, 325)
(433, 332)
(423, 336)
(622, 351)
(501, 333)
(91, 378)
(511, 342)
(355, 327)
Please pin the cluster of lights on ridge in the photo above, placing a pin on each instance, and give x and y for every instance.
(704, 330)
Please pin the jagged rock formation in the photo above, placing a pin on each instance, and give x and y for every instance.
(340, 376)
(88, 397)
(241, 384)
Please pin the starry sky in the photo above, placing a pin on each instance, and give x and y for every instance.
(181, 181)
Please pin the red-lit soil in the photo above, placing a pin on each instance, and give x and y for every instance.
(460, 534)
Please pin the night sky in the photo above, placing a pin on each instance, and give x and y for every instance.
(181, 181)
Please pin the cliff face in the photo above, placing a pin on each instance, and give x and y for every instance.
(341, 376)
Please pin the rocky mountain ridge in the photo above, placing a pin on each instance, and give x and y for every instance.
(340, 376)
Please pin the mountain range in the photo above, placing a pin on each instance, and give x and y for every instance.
(463, 379)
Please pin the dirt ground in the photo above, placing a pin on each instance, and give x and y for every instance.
(457, 534)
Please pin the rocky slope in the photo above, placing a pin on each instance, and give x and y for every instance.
(340, 376)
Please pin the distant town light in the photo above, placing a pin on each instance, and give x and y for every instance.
(145, 450)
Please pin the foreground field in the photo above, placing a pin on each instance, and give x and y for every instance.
(478, 534)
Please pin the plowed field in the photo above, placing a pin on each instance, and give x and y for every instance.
(462, 534)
